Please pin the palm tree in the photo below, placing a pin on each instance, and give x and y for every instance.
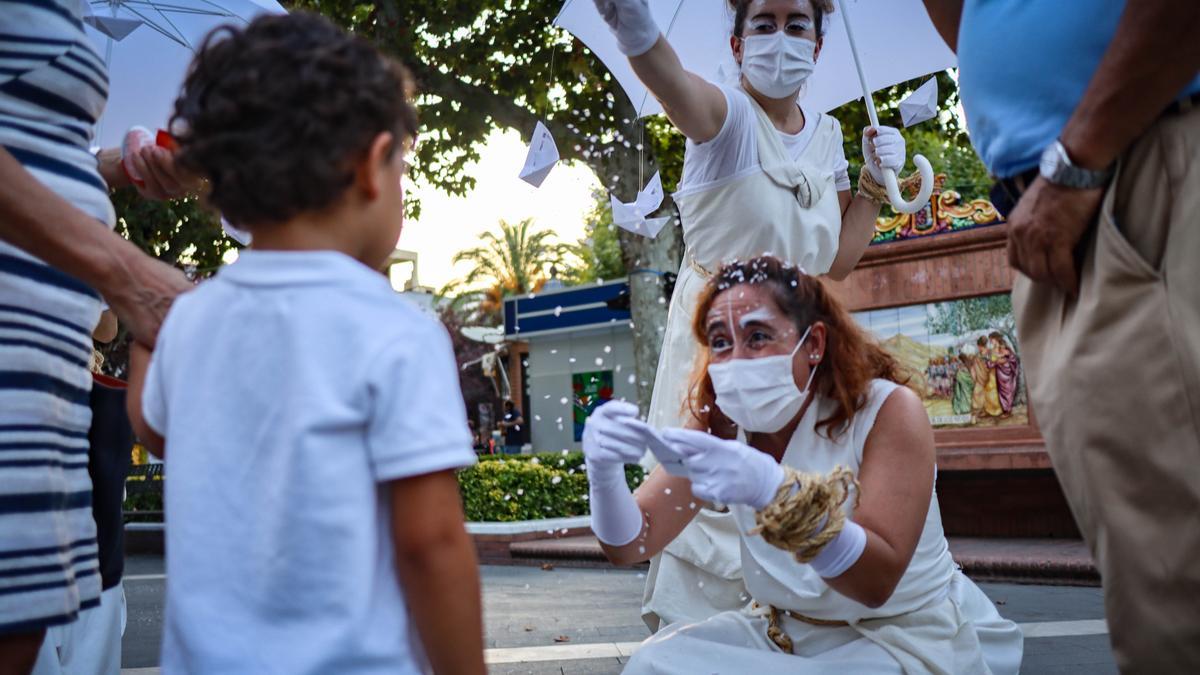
(512, 263)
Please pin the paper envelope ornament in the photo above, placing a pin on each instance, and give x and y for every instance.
(632, 216)
(920, 105)
(543, 155)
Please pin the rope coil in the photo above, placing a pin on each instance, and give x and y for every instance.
(806, 513)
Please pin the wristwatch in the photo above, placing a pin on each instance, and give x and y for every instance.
(1056, 166)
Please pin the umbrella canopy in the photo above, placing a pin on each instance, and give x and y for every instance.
(148, 46)
(896, 42)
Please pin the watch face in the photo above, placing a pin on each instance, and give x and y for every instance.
(1051, 165)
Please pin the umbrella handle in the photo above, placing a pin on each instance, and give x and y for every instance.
(889, 176)
(893, 187)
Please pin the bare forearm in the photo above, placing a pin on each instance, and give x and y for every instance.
(858, 228)
(696, 107)
(441, 585)
(1153, 56)
(43, 224)
(872, 580)
(946, 16)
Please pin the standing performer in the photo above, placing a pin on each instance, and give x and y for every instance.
(761, 175)
(874, 589)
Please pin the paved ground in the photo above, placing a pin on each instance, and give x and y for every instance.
(529, 611)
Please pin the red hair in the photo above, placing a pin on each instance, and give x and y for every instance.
(852, 358)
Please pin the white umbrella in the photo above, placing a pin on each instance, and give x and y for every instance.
(895, 42)
(148, 46)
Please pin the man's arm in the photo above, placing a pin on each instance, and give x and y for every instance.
(139, 288)
(946, 15)
(1152, 57)
(436, 564)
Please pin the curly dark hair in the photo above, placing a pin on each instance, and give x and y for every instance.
(741, 7)
(275, 115)
(853, 358)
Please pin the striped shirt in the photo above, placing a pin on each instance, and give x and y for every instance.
(53, 87)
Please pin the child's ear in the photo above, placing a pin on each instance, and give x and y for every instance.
(373, 172)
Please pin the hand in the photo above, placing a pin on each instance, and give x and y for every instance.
(162, 178)
(141, 300)
(726, 472)
(883, 148)
(631, 22)
(1045, 228)
(608, 443)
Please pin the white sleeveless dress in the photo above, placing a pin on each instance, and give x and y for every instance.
(937, 620)
(785, 207)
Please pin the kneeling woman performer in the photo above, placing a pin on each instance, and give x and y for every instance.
(785, 368)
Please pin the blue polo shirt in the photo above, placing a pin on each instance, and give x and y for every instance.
(1023, 68)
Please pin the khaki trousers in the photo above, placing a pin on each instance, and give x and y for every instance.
(1114, 377)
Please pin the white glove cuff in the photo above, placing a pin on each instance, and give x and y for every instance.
(636, 45)
(840, 554)
(770, 486)
(616, 516)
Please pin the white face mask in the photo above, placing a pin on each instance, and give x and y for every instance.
(778, 64)
(760, 394)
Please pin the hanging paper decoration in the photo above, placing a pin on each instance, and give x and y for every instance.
(543, 155)
(921, 105)
(632, 216)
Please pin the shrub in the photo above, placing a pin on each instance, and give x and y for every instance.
(506, 488)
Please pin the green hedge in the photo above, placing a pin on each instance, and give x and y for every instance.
(505, 488)
(500, 488)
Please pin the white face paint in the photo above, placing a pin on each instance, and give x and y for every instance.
(762, 314)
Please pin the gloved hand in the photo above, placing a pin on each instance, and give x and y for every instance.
(886, 150)
(631, 22)
(726, 472)
(608, 445)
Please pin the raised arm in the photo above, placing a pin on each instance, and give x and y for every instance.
(695, 106)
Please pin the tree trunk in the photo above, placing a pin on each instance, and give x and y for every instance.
(646, 261)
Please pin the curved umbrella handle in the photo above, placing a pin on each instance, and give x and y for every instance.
(893, 187)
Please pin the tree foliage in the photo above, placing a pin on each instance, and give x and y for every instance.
(598, 254)
(513, 262)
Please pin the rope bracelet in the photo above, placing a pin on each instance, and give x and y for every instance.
(806, 513)
(871, 189)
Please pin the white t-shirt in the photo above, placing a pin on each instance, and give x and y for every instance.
(288, 389)
(733, 152)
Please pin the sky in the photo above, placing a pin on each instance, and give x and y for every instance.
(450, 224)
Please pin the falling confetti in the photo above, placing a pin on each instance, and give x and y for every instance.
(599, 361)
(556, 480)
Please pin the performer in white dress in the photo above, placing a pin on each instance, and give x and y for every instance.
(787, 379)
(761, 175)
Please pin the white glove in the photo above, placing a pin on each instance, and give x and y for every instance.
(608, 445)
(886, 152)
(631, 22)
(727, 472)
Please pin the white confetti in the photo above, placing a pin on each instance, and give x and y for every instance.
(607, 349)
(563, 401)
(599, 361)
(556, 480)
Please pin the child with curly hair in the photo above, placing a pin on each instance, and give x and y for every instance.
(315, 524)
